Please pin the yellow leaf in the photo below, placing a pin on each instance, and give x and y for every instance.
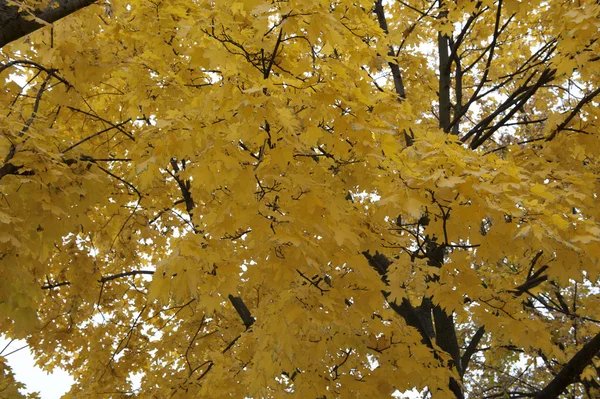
(560, 222)
(159, 288)
(450, 181)
(414, 207)
(524, 231)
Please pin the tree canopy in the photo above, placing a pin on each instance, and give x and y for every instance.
(304, 198)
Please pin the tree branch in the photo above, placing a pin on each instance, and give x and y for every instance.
(14, 24)
(9, 168)
(56, 285)
(573, 113)
(268, 69)
(242, 310)
(444, 79)
(471, 348)
(95, 135)
(102, 280)
(572, 370)
(396, 74)
(125, 274)
(184, 186)
(445, 335)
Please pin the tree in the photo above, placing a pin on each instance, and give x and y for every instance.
(312, 199)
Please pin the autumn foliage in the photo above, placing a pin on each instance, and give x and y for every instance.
(303, 198)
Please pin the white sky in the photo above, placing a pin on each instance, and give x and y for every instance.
(50, 386)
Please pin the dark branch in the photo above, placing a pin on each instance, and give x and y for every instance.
(242, 310)
(184, 186)
(471, 348)
(272, 60)
(14, 23)
(573, 113)
(56, 285)
(396, 74)
(572, 370)
(95, 135)
(9, 168)
(444, 79)
(102, 280)
(125, 274)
